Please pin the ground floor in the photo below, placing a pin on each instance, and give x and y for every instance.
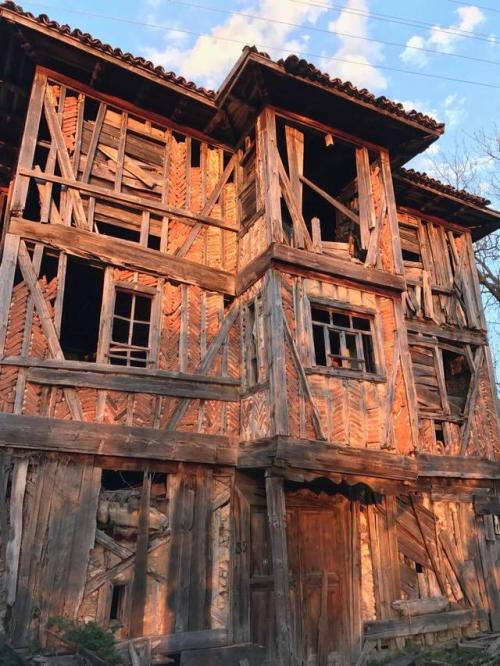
(217, 565)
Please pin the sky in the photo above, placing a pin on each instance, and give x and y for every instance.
(369, 42)
(440, 57)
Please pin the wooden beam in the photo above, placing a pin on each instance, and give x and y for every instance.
(275, 496)
(139, 582)
(331, 200)
(392, 212)
(7, 274)
(39, 433)
(457, 467)
(275, 347)
(422, 624)
(141, 203)
(179, 387)
(85, 244)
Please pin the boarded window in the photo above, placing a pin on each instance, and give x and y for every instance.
(253, 323)
(131, 328)
(457, 379)
(343, 339)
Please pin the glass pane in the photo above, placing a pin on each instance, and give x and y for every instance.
(142, 308)
(320, 315)
(361, 323)
(368, 353)
(340, 319)
(123, 302)
(140, 335)
(120, 330)
(319, 345)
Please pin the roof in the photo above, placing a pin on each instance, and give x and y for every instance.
(86, 39)
(299, 67)
(420, 178)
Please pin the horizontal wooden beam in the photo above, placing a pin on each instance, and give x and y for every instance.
(130, 200)
(118, 370)
(326, 457)
(298, 261)
(457, 467)
(458, 335)
(180, 641)
(178, 387)
(38, 433)
(484, 506)
(422, 624)
(126, 254)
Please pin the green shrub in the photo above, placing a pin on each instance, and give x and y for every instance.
(88, 635)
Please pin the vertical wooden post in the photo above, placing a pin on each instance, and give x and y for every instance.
(7, 273)
(392, 212)
(28, 144)
(240, 574)
(268, 173)
(139, 582)
(276, 352)
(279, 552)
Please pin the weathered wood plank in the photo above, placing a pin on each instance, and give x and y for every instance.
(458, 467)
(34, 432)
(225, 656)
(422, 624)
(179, 387)
(7, 273)
(82, 243)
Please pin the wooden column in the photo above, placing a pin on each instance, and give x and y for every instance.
(139, 584)
(279, 552)
(392, 212)
(268, 176)
(275, 337)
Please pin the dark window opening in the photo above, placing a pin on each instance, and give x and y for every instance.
(81, 310)
(195, 153)
(251, 336)
(121, 480)
(439, 433)
(343, 340)
(410, 256)
(116, 231)
(286, 221)
(116, 611)
(457, 379)
(131, 329)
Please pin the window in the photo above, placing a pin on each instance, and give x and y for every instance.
(117, 606)
(130, 332)
(343, 339)
(457, 378)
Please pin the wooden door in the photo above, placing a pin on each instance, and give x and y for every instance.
(318, 561)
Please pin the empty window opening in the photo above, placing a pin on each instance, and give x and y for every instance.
(117, 607)
(116, 231)
(131, 327)
(457, 379)
(121, 479)
(81, 310)
(254, 342)
(195, 153)
(439, 434)
(343, 339)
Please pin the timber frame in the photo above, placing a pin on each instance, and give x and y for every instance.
(247, 405)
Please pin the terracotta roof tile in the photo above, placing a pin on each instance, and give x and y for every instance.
(423, 179)
(299, 67)
(85, 38)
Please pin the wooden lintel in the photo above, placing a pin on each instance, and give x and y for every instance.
(123, 253)
(455, 335)
(421, 624)
(38, 433)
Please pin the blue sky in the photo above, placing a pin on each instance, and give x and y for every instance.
(201, 40)
(326, 36)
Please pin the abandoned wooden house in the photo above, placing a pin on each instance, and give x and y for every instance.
(247, 407)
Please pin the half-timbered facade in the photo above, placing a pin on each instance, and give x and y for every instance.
(247, 405)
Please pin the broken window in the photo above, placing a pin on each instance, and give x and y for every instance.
(343, 339)
(131, 329)
(117, 612)
(457, 379)
(81, 310)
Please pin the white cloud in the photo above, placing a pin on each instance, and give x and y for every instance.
(211, 56)
(468, 18)
(356, 50)
(454, 110)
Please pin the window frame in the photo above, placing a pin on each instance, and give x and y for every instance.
(254, 342)
(111, 288)
(374, 332)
